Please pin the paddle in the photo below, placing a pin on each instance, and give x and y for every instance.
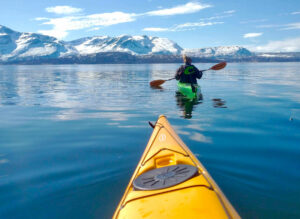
(216, 67)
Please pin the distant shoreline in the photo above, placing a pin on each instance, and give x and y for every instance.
(126, 58)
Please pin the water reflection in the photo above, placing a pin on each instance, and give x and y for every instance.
(60, 125)
(157, 87)
(219, 103)
(187, 105)
(8, 92)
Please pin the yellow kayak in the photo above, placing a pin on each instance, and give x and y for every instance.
(170, 182)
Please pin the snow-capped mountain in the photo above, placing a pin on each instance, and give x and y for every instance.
(32, 48)
(221, 51)
(17, 45)
(135, 45)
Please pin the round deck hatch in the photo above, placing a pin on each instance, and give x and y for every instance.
(164, 177)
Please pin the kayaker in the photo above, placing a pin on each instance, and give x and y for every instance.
(188, 73)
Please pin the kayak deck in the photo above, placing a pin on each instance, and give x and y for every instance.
(194, 197)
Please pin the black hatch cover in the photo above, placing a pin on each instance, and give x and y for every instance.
(164, 177)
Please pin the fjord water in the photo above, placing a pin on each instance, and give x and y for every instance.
(72, 135)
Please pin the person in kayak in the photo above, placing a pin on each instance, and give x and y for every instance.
(188, 73)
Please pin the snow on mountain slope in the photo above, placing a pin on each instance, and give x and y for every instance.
(16, 45)
(136, 45)
(7, 40)
(220, 51)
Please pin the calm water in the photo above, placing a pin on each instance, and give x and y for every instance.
(72, 135)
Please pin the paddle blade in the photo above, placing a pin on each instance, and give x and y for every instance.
(157, 83)
(219, 66)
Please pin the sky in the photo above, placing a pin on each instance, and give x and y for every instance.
(259, 25)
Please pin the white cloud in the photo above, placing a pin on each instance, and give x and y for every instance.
(251, 35)
(188, 8)
(287, 45)
(291, 26)
(229, 12)
(61, 26)
(94, 29)
(295, 12)
(197, 24)
(215, 17)
(268, 25)
(156, 29)
(253, 21)
(181, 27)
(63, 10)
(224, 14)
(40, 18)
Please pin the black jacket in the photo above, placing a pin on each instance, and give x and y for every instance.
(188, 74)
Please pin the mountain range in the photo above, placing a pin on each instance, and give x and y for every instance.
(32, 48)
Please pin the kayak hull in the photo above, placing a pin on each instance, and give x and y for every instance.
(187, 90)
(195, 197)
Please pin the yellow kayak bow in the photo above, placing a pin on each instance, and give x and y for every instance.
(169, 183)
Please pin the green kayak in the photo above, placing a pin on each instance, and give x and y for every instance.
(187, 90)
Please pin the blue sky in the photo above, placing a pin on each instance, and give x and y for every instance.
(260, 25)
